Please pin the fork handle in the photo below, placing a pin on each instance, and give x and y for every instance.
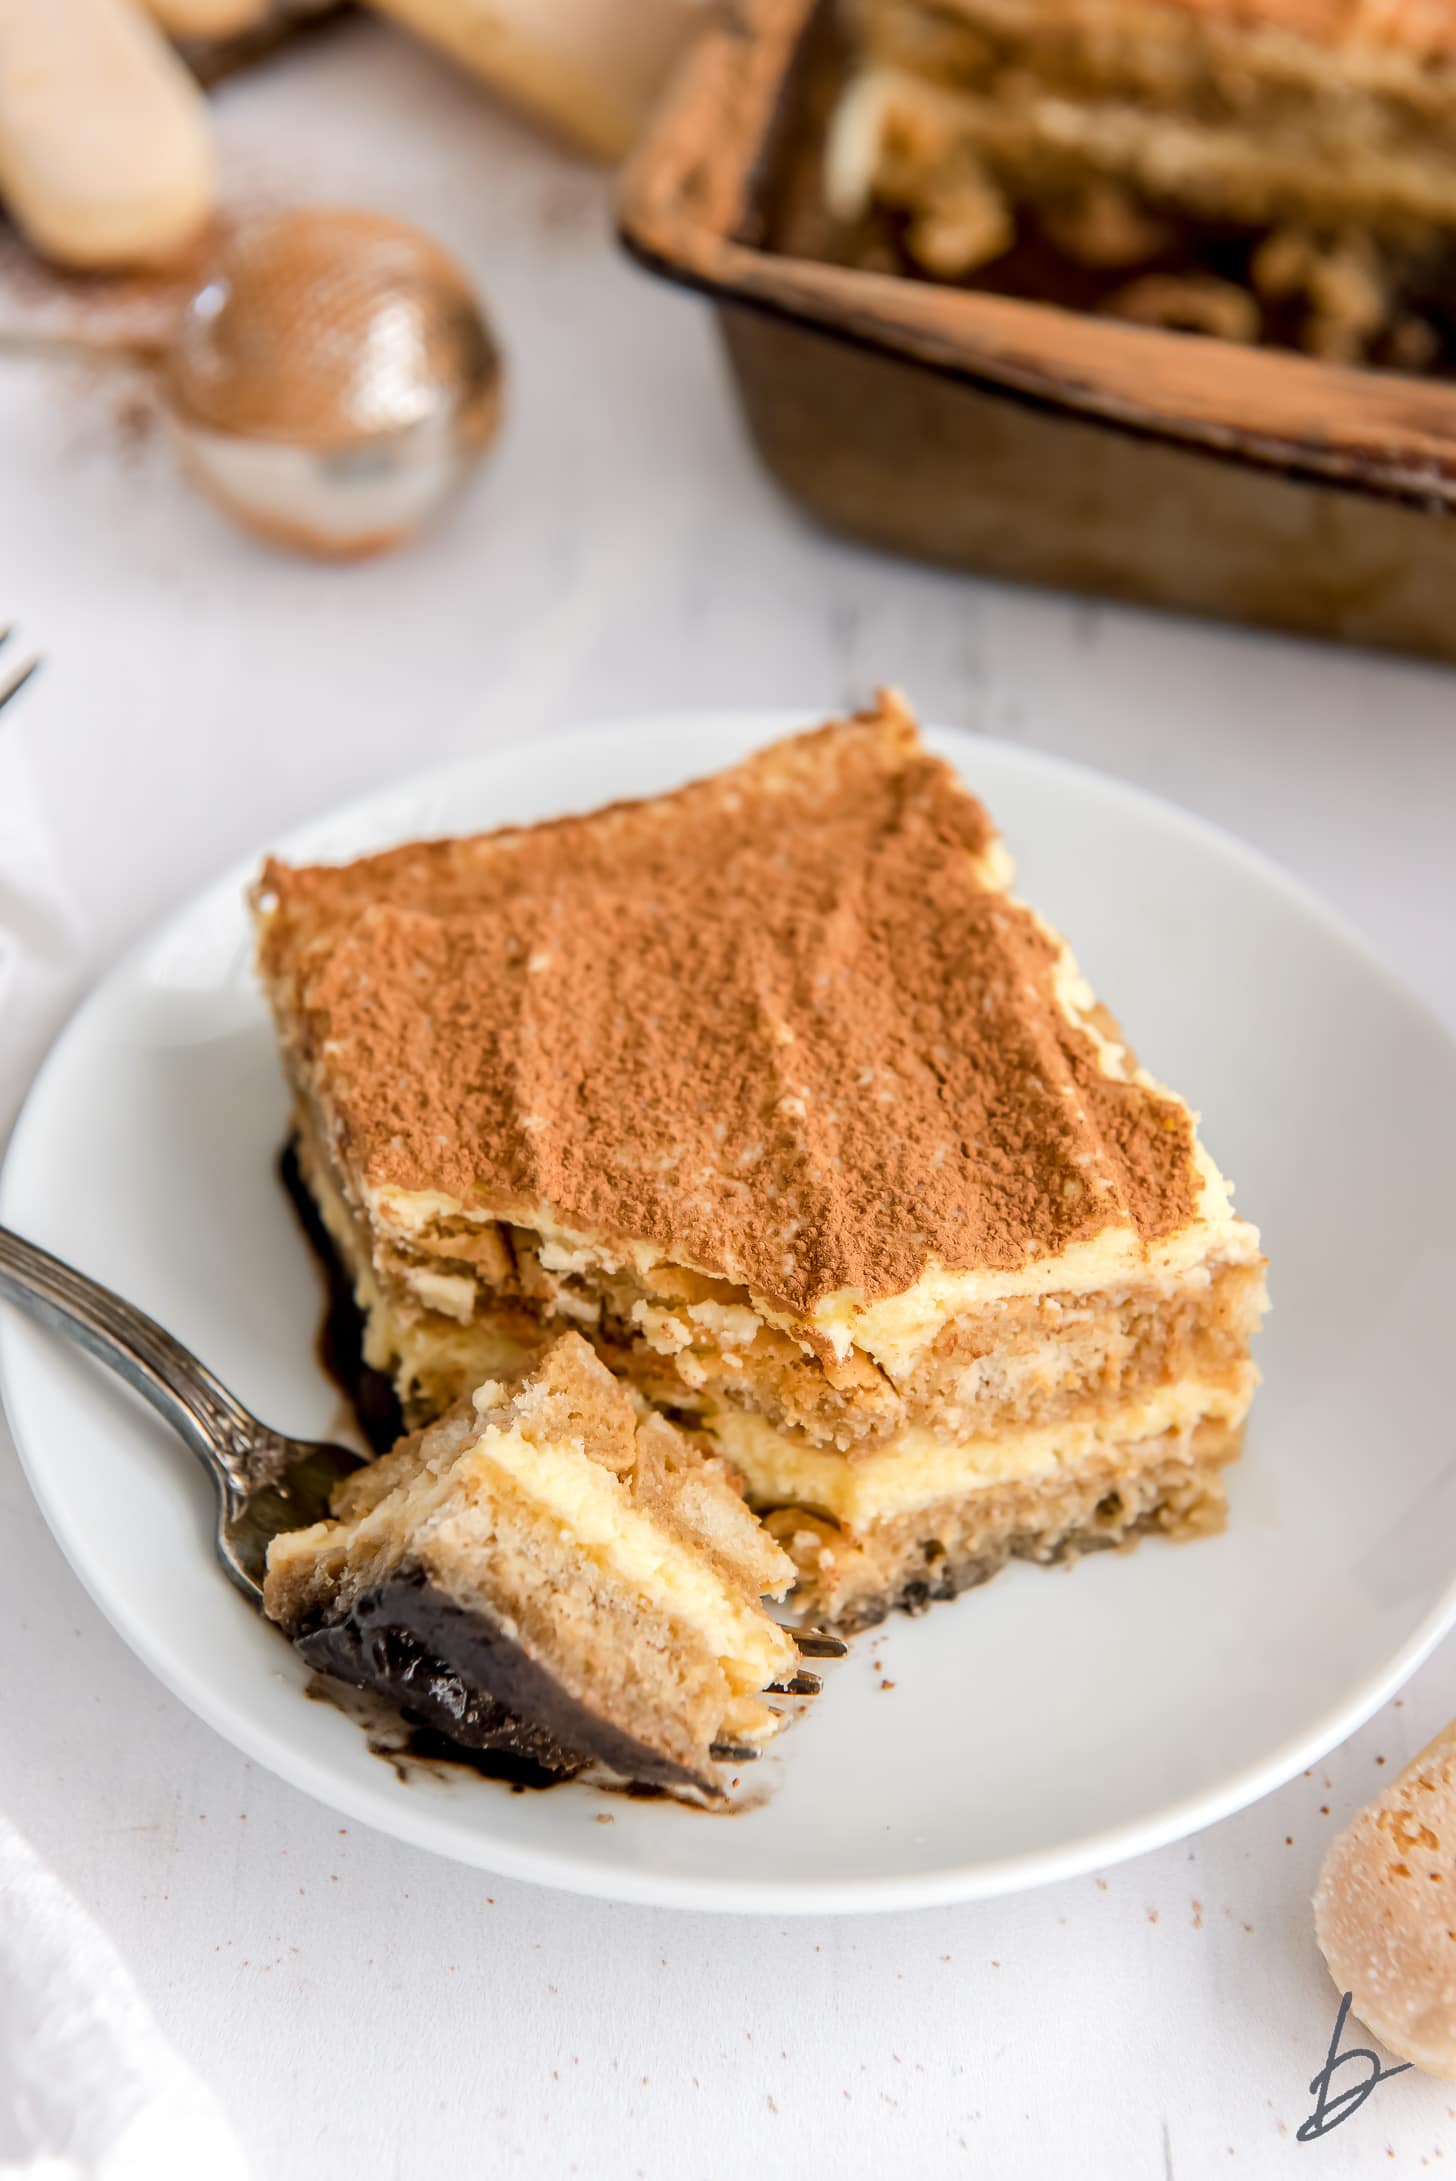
(218, 1429)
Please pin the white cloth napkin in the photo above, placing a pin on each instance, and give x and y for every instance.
(90, 2090)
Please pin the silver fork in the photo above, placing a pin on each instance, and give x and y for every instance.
(18, 675)
(266, 1483)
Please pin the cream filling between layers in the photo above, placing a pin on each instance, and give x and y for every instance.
(578, 1493)
(895, 1330)
(919, 1468)
(451, 1343)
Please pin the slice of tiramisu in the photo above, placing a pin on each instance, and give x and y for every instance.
(547, 1572)
(772, 1090)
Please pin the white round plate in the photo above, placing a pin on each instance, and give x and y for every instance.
(1053, 1721)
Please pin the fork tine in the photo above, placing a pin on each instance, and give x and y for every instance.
(18, 679)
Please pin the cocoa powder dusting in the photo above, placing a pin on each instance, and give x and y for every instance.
(780, 1025)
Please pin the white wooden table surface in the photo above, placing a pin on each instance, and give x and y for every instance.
(363, 2009)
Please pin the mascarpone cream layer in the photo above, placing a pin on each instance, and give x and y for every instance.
(918, 1469)
(893, 1330)
(586, 1499)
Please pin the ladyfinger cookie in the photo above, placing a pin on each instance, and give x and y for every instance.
(207, 18)
(106, 155)
(1385, 1911)
(589, 68)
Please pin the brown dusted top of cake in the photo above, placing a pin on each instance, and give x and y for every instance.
(783, 1024)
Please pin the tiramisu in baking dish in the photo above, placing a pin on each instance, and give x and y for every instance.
(1267, 170)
